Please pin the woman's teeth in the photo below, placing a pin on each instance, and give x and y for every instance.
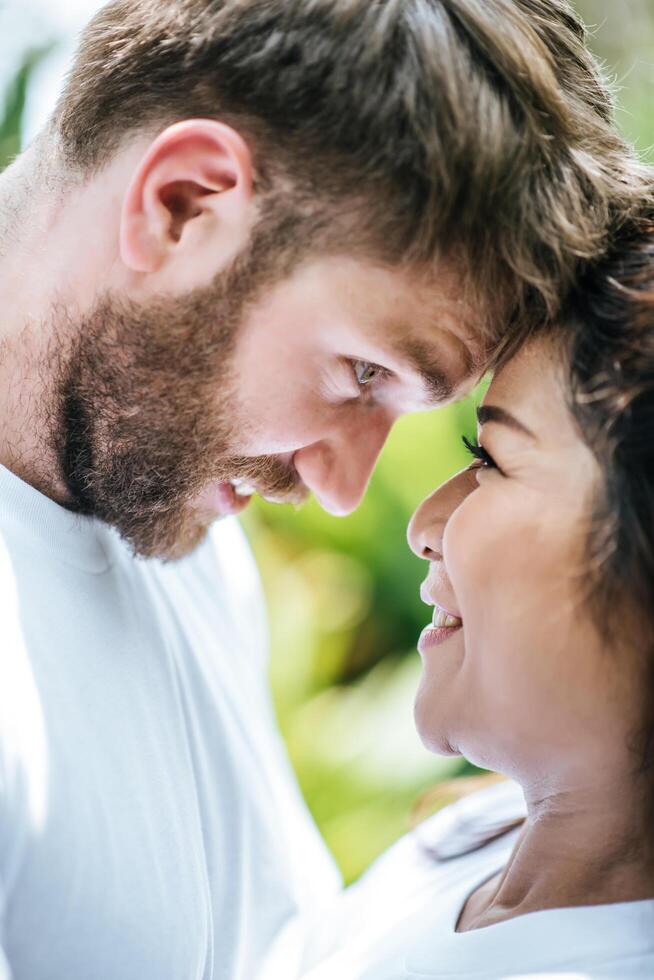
(442, 620)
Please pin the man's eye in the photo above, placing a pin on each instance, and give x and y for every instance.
(366, 372)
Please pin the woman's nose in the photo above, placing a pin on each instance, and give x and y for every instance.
(425, 531)
(427, 526)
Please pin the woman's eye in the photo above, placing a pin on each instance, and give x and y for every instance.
(480, 454)
(366, 372)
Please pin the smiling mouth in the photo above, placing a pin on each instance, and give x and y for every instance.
(236, 495)
(442, 619)
(230, 497)
(221, 499)
(242, 489)
(442, 627)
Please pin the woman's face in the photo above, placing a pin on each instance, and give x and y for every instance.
(520, 681)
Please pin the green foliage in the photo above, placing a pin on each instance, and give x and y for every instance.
(345, 617)
(622, 36)
(14, 105)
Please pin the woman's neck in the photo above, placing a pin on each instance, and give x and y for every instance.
(589, 846)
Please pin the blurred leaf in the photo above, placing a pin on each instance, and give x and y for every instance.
(14, 105)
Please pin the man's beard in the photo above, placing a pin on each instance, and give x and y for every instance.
(144, 415)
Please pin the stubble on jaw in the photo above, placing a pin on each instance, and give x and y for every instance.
(143, 415)
(139, 419)
(139, 410)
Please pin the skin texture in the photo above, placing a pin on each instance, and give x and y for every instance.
(527, 686)
(167, 346)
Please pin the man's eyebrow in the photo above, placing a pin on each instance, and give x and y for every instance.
(493, 413)
(421, 358)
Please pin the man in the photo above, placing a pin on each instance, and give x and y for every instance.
(251, 237)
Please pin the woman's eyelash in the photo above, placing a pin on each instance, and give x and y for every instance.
(479, 453)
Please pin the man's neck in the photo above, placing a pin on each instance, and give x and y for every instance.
(29, 209)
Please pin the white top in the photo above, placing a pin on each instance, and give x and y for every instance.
(150, 827)
(398, 922)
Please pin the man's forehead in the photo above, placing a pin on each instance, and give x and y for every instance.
(427, 360)
(442, 337)
(441, 351)
(416, 319)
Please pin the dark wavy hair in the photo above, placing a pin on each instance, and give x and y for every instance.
(605, 338)
(609, 339)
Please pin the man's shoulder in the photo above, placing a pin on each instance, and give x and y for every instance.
(240, 575)
(222, 563)
(231, 550)
(219, 583)
(13, 642)
(221, 569)
(22, 727)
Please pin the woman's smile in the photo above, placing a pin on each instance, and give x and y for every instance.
(444, 624)
(505, 539)
(434, 636)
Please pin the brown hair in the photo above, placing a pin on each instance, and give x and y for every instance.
(478, 130)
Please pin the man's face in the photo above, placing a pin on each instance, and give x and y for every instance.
(169, 415)
(324, 367)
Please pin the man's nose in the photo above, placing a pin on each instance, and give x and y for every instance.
(337, 469)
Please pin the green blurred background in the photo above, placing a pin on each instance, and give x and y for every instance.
(343, 598)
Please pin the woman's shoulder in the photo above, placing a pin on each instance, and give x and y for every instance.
(399, 919)
(409, 890)
(422, 861)
(474, 819)
(601, 942)
(458, 829)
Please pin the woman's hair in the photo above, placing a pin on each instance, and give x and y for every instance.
(606, 337)
(608, 333)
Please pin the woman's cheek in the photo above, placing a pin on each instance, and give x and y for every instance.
(464, 547)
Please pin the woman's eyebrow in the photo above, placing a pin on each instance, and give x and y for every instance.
(493, 413)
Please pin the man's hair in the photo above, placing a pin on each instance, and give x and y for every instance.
(478, 131)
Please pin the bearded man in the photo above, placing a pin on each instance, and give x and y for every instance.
(250, 238)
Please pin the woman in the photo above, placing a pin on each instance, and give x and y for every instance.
(538, 664)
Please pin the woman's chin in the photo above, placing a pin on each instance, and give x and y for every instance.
(430, 727)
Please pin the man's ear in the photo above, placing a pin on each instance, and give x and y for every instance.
(193, 186)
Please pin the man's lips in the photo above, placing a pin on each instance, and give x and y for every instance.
(227, 498)
(222, 500)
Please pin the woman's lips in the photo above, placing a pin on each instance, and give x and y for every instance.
(429, 599)
(433, 636)
(444, 624)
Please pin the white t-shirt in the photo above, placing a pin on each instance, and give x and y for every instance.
(150, 826)
(398, 922)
